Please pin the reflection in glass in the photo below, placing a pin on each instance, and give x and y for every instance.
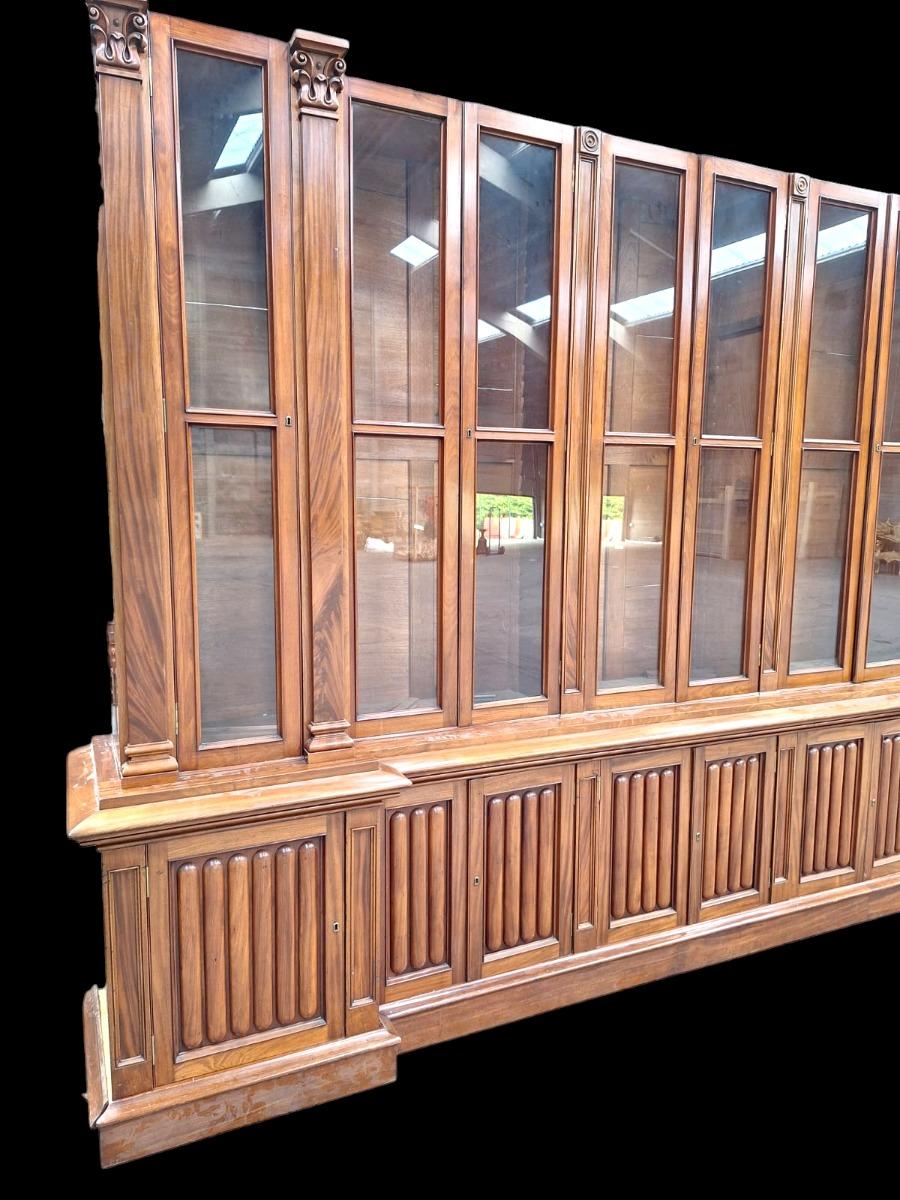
(510, 516)
(516, 195)
(737, 301)
(826, 479)
(884, 614)
(397, 548)
(223, 222)
(892, 409)
(396, 265)
(839, 298)
(721, 556)
(632, 545)
(642, 299)
(232, 484)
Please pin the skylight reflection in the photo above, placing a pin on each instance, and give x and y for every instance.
(245, 136)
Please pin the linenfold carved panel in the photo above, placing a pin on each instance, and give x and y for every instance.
(733, 795)
(520, 868)
(830, 800)
(887, 810)
(248, 941)
(418, 882)
(642, 878)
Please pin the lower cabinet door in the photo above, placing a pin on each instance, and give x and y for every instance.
(884, 804)
(733, 794)
(426, 889)
(247, 944)
(643, 853)
(827, 822)
(520, 869)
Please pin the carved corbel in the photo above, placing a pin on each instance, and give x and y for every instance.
(119, 34)
(318, 65)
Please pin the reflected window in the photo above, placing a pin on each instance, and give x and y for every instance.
(884, 612)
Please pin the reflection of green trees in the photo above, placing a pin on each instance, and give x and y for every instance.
(488, 504)
(613, 507)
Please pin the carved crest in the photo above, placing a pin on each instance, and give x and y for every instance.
(317, 72)
(119, 36)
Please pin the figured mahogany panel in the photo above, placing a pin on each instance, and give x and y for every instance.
(521, 866)
(248, 941)
(127, 970)
(887, 801)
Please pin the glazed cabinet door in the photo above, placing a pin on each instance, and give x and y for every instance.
(425, 889)
(733, 791)
(642, 843)
(824, 817)
(884, 803)
(520, 870)
(247, 945)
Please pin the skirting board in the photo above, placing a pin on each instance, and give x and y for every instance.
(188, 1111)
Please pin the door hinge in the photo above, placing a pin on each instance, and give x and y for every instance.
(176, 720)
(147, 882)
(165, 416)
(153, 1049)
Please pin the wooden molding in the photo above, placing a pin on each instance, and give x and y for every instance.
(318, 65)
(119, 37)
(800, 186)
(589, 140)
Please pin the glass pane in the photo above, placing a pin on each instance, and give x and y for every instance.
(737, 305)
(632, 545)
(826, 480)
(516, 194)
(232, 480)
(721, 562)
(884, 615)
(510, 516)
(223, 222)
(892, 411)
(839, 299)
(396, 265)
(642, 299)
(397, 554)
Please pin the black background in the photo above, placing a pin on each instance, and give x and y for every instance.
(734, 1059)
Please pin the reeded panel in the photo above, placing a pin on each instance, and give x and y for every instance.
(643, 843)
(520, 868)
(248, 942)
(884, 610)
(887, 811)
(643, 278)
(829, 807)
(826, 481)
(396, 265)
(418, 888)
(397, 536)
(732, 811)
(510, 521)
(737, 304)
(234, 555)
(221, 126)
(839, 300)
(633, 532)
(516, 223)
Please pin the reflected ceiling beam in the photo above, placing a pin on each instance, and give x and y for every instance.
(224, 193)
(497, 170)
(517, 328)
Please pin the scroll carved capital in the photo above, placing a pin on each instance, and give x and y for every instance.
(800, 186)
(590, 140)
(318, 65)
(119, 36)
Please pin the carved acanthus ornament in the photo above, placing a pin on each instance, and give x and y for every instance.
(119, 37)
(318, 66)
